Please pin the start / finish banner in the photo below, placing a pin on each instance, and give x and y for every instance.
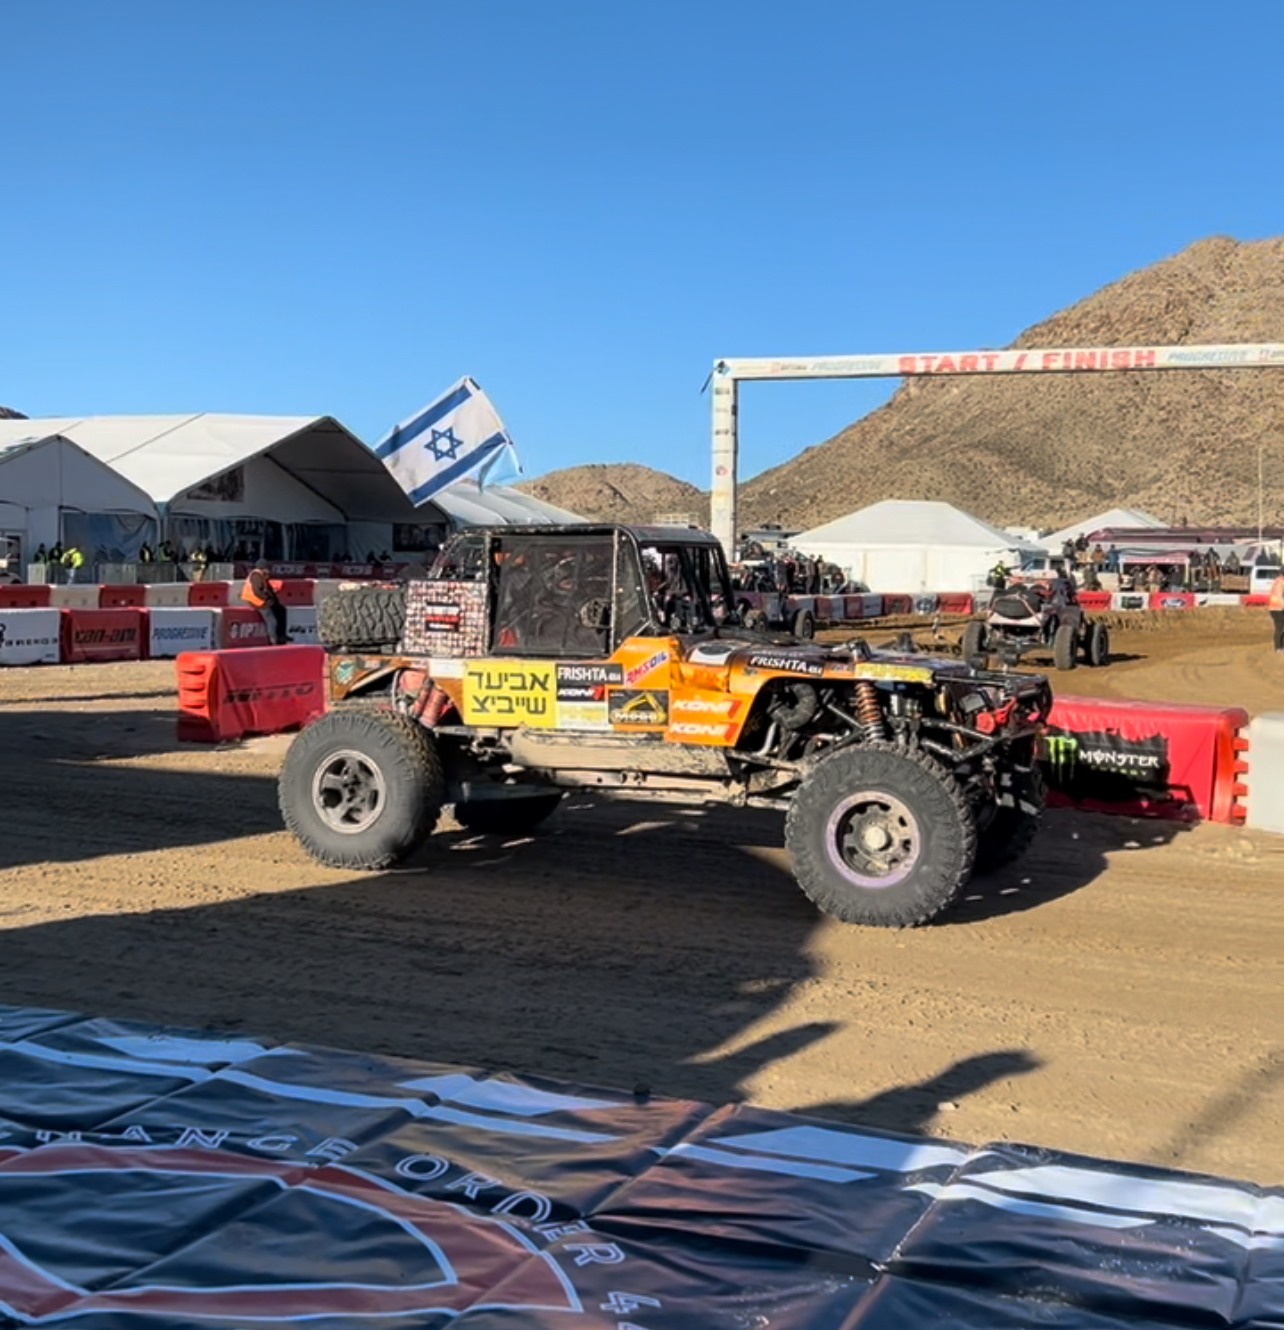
(1055, 360)
(155, 1178)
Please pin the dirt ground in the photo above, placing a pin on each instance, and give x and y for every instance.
(1119, 992)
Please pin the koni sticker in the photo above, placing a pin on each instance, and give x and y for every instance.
(510, 693)
(639, 706)
(706, 708)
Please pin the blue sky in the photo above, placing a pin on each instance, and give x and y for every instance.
(315, 206)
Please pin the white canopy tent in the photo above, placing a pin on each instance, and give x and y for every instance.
(295, 486)
(912, 545)
(1113, 517)
(52, 491)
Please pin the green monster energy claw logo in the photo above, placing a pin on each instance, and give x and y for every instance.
(1062, 752)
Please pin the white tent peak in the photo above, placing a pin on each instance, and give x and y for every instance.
(1112, 517)
(914, 522)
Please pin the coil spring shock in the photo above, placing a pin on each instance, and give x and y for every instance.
(869, 713)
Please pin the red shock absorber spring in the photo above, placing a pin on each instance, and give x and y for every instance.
(868, 712)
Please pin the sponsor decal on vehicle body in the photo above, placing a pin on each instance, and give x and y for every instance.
(587, 682)
(786, 664)
(632, 706)
(510, 693)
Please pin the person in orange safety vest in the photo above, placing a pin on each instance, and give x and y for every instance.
(1276, 604)
(259, 592)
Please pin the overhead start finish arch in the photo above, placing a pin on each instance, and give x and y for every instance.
(728, 375)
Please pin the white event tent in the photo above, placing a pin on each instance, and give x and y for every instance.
(1113, 517)
(295, 487)
(912, 545)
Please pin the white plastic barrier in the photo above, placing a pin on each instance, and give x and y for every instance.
(78, 596)
(166, 595)
(1220, 598)
(173, 630)
(1264, 779)
(301, 624)
(30, 637)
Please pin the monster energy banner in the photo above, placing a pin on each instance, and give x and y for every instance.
(159, 1178)
(1106, 766)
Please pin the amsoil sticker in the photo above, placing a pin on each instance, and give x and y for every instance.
(639, 706)
(504, 693)
(587, 683)
(769, 660)
(645, 667)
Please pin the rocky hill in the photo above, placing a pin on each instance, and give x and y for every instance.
(1046, 449)
(620, 492)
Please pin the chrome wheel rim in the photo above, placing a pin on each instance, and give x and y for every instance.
(348, 792)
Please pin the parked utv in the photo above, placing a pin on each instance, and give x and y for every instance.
(537, 660)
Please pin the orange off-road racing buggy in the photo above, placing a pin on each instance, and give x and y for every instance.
(537, 660)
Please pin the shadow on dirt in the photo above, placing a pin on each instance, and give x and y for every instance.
(629, 946)
(1069, 852)
(71, 794)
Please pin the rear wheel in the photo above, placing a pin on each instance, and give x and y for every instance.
(804, 625)
(1009, 832)
(973, 639)
(757, 621)
(1063, 647)
(508, 814)
(361, 788)
(880, 836)
(1098, 645)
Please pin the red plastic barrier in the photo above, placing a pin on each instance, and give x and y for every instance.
(209, 593)
(955, 602)
(241, 626)
(102, 635)
(226, 695)
(1172, 600)
(24, 596)
(122, 596)
(1152, 759)
(1257, 599)
(1095, 600)
(295, 591)
(898, 602)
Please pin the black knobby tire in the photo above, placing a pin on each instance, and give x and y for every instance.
(1063, 648)
(367, 618)
(361, 787)
(507, 816)
(1008, 834)
(973, 640)
(757, 621)
(1098, 645)
(880, 835)
(804, 625)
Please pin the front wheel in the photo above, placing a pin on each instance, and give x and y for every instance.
(1098, 645)
(1063, 647)
(973, 639)
(880, 836)
(804, 625)
(1009, 832)
(361, 788)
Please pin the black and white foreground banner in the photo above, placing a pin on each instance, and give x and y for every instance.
(153, 1178)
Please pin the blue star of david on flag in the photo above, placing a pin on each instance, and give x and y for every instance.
(458, 434)
(449, 448)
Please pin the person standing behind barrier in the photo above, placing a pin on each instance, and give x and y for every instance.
(259, 592)
(1276, 604)
(72, 559)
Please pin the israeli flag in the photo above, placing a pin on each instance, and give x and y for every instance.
(459, 433)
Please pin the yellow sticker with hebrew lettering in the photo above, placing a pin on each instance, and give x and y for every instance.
(510, 692)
